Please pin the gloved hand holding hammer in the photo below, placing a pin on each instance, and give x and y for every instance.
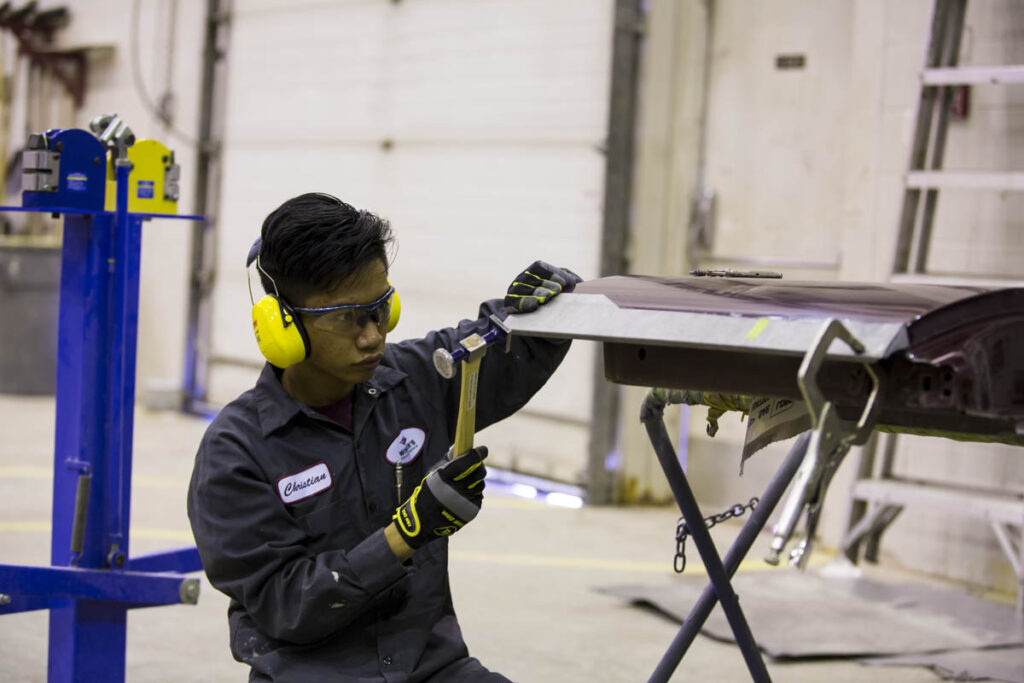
(447, 499)
(450, 496)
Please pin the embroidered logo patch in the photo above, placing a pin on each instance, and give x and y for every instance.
(407, 446)
(301, 485)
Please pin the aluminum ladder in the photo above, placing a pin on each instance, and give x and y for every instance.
(878, 496)
(925, 174)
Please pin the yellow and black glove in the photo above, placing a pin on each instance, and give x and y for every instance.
(445, 501)
(537, 285)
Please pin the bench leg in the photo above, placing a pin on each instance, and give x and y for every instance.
(741, 546)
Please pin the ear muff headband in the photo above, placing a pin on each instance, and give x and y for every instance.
(396, 310)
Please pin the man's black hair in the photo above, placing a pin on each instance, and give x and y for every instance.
(315, 242)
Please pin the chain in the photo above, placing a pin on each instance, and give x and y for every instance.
(683, 531)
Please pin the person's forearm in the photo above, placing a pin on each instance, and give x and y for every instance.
(402, 550)
(305, 599)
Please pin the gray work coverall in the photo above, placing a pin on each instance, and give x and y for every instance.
(288, 510)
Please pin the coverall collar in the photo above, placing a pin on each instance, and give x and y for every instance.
(276, 407)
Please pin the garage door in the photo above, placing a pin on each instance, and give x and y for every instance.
(475, 127)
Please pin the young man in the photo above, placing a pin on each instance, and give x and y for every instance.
(334, 558)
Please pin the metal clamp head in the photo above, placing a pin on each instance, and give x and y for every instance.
(172, 174)
(113, 132)
(40, 170)
(807, 379)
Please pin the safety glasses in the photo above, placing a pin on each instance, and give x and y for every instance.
(350, 319)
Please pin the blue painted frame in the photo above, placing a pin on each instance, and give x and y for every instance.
(89, 593)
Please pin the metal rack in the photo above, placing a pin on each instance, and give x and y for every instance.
(93, 579)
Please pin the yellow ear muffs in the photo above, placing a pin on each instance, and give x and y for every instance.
(279, 332)
(396, 311)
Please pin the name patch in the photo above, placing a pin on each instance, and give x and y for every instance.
(407, 446)
(301, 485)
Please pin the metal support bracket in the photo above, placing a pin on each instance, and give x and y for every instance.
(44, 584)
(183, 561)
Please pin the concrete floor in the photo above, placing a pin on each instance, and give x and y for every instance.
(522, 575)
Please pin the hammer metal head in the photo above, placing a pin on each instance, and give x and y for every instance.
(444, 363)
(475, 346)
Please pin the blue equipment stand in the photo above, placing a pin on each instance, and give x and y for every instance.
(720, 587)
(93, 581)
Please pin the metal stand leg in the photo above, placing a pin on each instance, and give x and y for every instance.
(87, 637)
(872, 544)
(741, 546)
(859, 509)
(873, 523)
(652, 419)
(1014, 550)
(93, 430)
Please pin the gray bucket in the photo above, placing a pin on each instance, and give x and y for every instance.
(29, 306)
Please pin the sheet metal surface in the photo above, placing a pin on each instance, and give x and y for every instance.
(769, 316)
(950, 358)
(598, 317)
(755, 297)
